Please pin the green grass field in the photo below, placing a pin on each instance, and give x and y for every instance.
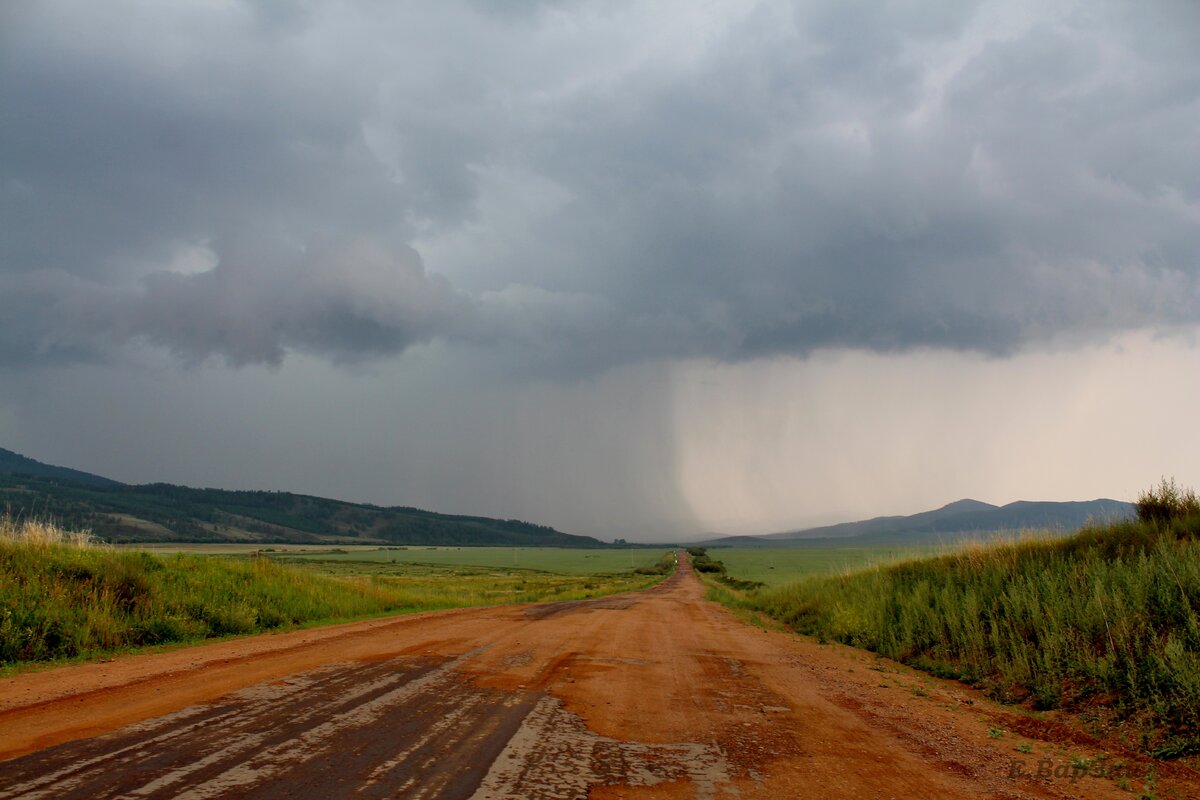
(777, 566)
(237, 548)
(63, 596)
(544, 559)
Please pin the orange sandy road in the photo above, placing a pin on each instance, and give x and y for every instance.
(652, 694)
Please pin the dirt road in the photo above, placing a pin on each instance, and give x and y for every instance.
(653, 694)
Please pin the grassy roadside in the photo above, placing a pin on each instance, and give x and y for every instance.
(779, 566)
(1105, 623)
(63, 596)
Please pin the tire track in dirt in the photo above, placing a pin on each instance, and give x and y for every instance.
(375, 728)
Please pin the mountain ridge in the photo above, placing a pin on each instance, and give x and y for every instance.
(960, 519)
(16, 464)
(163, 512)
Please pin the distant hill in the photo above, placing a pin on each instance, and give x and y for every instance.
(16, 464)
(161, 512)
(959, 520)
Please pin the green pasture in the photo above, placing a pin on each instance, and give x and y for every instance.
(543, 559)
(776, 566)
(238, 548)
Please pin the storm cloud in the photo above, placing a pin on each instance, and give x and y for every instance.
(587, 185)
(639, 268)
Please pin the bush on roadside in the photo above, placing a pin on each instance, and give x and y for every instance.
(701, 562)
(664, 566)
(1167, 502)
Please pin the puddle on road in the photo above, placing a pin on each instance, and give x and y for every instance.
(554, 755)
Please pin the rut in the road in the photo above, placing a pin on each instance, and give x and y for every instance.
(369, 730)
(411, 727)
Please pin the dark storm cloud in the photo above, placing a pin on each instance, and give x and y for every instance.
(349, 303)
(591, 184)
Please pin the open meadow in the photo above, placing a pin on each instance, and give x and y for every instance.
(544, 559)
(777, 566)
(64, 595)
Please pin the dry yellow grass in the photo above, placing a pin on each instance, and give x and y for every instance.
(41, 533)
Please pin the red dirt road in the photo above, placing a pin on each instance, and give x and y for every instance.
(652, 694)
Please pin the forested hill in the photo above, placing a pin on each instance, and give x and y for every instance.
(162, 512)
(15, 463)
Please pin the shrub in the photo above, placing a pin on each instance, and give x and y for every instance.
(703, 563)
(1167, 502)
(664, 566)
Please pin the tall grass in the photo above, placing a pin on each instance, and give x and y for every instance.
(63, 595)
(35, 533)
(1107, 618)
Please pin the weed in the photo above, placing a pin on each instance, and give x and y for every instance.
(1149, 785)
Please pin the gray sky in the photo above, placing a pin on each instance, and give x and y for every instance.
(629, 269)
